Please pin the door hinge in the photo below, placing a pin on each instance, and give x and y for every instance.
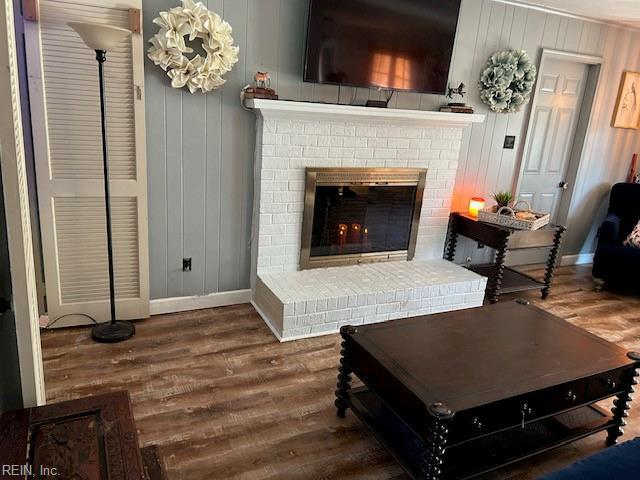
(134, 20)
(138, 92)
(31, 10)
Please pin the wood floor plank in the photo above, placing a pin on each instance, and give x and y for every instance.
(223, 399)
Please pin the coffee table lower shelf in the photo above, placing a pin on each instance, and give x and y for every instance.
(469, 459)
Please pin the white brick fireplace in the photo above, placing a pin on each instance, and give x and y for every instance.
(292, 136)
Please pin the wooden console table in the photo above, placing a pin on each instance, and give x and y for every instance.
(503, 279)
(458, 394)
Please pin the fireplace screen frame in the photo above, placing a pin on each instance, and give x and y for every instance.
(334, 176)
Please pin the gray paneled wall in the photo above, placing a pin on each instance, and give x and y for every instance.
(486, 26)
(200, 147)
(200, 157)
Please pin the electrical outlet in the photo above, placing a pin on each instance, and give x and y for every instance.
(186, 264)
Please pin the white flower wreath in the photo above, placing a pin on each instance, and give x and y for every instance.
(507, 81)
(168, 47)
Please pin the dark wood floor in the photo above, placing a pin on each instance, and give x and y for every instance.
(225, 400)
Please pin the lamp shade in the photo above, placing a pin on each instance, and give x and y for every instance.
(98, 36)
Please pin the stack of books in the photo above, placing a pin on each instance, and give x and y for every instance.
(257, 92)
(456, 108)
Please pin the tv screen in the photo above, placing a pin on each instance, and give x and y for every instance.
(391, 44)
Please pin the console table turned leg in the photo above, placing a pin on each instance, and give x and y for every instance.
(436, 443)
(453, 240)
(552, 261)
(621, 404)
(344, 371)
(496, 282)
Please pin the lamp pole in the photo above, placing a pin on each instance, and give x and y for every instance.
(102, 38)
(114, 331)
(101, 57)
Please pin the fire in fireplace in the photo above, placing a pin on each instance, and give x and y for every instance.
(355, 215)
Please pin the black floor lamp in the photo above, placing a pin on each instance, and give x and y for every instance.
(103, 38)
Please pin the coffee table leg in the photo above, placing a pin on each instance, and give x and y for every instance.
(496, 283)
(621, 404)
(552, 261)
(436, 443)
(453, 240)
(344, 371)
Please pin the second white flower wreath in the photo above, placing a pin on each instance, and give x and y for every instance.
(168, 47)
(507, 81)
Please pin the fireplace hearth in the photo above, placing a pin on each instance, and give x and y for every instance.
(360, 215)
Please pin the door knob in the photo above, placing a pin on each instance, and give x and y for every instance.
(563, 185)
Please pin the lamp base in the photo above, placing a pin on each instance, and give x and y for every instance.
(112, 332)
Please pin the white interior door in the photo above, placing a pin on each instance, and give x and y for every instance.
(547, 162)
(65, 109)
(561, 87)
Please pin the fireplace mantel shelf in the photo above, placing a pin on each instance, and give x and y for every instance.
(315, 111)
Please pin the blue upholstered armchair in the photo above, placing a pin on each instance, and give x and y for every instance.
(621, 462)
(614, 263)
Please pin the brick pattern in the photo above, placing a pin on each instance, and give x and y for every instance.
(314, 302)
(288, 146)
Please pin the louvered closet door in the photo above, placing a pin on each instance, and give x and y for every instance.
(65, 111)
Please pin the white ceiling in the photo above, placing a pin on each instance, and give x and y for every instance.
(618, 11)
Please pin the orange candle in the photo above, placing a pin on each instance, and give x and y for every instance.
(475, 205)
(342, 231)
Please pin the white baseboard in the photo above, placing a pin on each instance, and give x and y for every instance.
(197, 302)
(579, 259)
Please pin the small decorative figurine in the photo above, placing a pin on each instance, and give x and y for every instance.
(261, 88)
(458, 91)
(456, 107)
(263, 80)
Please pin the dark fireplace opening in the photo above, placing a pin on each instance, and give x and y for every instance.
(355, 215)
(361, 219)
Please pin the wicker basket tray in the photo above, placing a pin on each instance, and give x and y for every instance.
(509, 219)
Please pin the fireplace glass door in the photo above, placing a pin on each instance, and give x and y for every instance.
(360, 215)
(361, 219)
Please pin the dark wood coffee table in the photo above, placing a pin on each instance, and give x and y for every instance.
(458, 394)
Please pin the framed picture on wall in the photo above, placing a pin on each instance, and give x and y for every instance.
(626, 113)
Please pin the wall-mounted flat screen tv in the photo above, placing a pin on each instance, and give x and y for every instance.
(390, 44)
